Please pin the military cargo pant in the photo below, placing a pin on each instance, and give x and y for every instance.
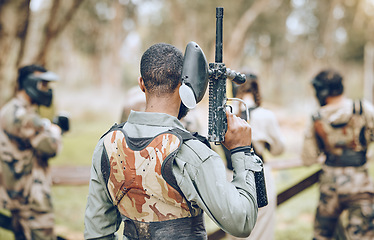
(23, 231)
(334, 199)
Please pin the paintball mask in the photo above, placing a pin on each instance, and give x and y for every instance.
(327, 83)
(36, 86)
(194, 75)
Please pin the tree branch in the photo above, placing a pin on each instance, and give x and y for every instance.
(54, 29)
(236, 41)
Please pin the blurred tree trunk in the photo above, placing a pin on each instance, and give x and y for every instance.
(179, 26)
(109, 62)
(369, 72)
(330, 26)
(15, 19)
(14, 16)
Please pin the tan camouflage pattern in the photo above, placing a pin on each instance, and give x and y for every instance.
(3, 194)
(335, 139)
(26, 143)
(135, 183)
(24, 230)
(342, 188)
(347, 188)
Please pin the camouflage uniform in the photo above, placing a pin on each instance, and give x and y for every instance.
(26, 144)
(146, 198)
(342, 132)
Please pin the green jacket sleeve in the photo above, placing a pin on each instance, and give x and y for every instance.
(201, 175)
(102, 219)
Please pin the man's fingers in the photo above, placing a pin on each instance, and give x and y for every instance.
(233, 120)
(238, 132)
(230, 117)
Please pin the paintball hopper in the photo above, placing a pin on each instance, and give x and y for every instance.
(194, 75)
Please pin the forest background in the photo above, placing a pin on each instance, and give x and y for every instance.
(95, 47)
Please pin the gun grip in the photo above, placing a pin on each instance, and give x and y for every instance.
(262, 199)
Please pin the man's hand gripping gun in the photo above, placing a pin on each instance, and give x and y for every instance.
(196, 75)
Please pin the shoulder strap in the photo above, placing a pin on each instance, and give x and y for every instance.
(202, 139)
(183, 134)
(114, 127)
(357, 107)
(188, 136)
(166, 169)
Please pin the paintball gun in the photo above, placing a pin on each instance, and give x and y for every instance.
(62, 120)
(196, 74)
(218, 74)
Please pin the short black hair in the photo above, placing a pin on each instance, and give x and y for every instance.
(161, 68)
(23, 72)
(332, 80)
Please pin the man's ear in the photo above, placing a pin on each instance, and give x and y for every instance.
(141, 84)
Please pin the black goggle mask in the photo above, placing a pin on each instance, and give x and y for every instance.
(36, 86)
(322, 91)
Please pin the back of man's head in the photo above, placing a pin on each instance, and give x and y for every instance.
(331, 80)
(161, 68)
(23, 72)
(327, 83)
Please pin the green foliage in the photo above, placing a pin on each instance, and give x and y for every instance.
(80, 141)
(295, 217)
(70, 201)
(5, 234)
(69, 205)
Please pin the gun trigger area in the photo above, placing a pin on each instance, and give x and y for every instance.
(229, 107)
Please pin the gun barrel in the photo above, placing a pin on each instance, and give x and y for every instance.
(217, 88)
(219, 34)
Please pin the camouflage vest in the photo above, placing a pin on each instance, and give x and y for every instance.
(344, 144)
(141, 184)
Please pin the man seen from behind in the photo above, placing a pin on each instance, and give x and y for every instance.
(341, 130)
(158, 178)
